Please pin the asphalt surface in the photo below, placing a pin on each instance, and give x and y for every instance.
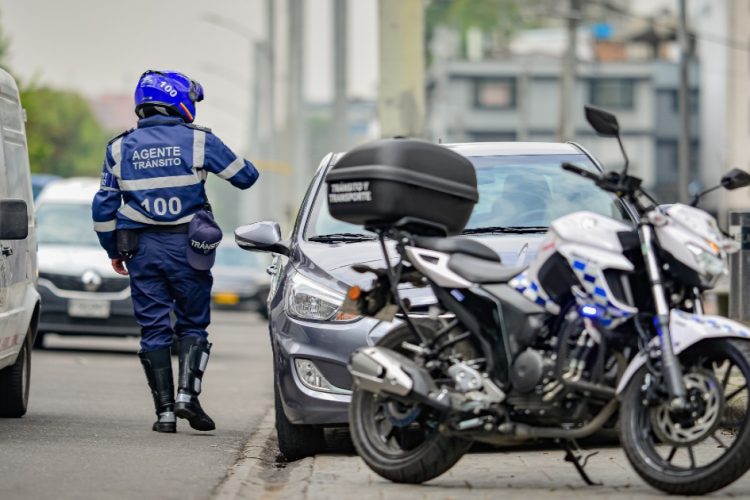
(87, 433)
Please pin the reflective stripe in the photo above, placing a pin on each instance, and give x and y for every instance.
(197, 386)
(202, 174)
(183, 398)
(134, 215)
(199, 148)
(203, 362)
(107, 188)
(232, 169)
(159, 182)
(167, 417)
(116, 150)
(105, 227)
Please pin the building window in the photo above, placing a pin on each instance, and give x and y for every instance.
(495, 93)
(692, 101)
(613, 93)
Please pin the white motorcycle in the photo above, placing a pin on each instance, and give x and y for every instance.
(606, 316)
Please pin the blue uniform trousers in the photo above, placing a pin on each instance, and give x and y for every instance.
(162, 281)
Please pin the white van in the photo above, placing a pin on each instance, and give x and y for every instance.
(19, 300)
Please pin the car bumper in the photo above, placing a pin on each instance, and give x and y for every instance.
(329, 346)
(54, 317)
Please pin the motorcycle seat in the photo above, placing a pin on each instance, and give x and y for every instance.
(463, 246)
(482, 271)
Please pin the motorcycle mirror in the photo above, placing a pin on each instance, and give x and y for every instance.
(735, 179)
(603, 122)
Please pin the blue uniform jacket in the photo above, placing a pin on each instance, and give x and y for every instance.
(155, 175)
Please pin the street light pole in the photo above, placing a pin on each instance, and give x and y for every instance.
(684, 108)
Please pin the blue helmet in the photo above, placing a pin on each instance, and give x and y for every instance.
(168, 93)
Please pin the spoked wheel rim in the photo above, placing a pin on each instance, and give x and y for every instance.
(687, 443)
(396, 430)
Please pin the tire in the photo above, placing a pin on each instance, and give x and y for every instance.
(39, 340)
(295, 441)
(15, 383)
(640, 439)
(427, 460)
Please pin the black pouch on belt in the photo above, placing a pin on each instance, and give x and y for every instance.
(127, 242)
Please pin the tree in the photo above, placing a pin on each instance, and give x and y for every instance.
(63, 135)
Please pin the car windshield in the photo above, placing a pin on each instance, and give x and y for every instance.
(228, 256)
(523, 191)
(65, 224)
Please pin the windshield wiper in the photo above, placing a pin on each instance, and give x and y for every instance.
(506, 230)
(340, 237)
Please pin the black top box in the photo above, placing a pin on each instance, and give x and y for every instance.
(414, 184)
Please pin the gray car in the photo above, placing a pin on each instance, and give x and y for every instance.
(521, 189)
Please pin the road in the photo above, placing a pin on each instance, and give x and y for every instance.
(87, 434)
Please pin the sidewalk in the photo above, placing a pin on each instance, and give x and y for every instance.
(514, 474)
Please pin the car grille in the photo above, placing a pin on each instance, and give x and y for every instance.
(75, 283)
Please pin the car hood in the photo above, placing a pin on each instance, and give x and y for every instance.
(74, 260)
(337, 259)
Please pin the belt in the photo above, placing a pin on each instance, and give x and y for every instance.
(175, 229)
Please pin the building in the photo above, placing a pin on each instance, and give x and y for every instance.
(518, 99)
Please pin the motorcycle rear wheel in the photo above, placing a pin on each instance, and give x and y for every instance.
(398, 442)
(708, 450)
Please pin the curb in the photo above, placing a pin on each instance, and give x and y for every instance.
(245, 478)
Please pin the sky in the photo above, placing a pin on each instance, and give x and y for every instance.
(103, 46)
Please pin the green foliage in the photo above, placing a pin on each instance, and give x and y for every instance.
(64, 136)
(487, 15)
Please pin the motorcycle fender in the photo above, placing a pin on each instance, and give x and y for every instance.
(687, 330)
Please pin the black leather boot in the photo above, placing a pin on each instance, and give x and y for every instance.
(158, 368)
(193, 359)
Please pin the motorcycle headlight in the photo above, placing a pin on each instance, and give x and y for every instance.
(308, 300)
(709, 265)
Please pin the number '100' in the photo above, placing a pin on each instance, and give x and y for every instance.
(161, 206)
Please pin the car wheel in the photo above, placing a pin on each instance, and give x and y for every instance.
(39, 340)
(14, 384)
(295, 441)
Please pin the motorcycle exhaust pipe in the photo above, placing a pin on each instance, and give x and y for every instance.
(382, 371)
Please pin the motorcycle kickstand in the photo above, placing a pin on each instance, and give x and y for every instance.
(578, 460)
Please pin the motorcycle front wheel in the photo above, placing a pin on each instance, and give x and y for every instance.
(397, 441)
(705, 448)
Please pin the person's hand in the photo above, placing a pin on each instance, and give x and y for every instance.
(118, 265)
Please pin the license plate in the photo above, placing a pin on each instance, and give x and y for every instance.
(226, 299)
(88, 308)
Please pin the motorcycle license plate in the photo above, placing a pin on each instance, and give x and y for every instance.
(88, 308)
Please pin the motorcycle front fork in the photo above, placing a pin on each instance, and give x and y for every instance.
(670, 363)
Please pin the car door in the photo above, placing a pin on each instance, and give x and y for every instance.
(15, 263)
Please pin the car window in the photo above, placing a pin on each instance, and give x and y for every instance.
(531, 191)
(514, 191)
(65, 224)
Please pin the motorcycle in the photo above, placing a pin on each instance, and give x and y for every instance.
(607, 317)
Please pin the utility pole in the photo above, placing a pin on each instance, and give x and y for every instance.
(296, 119)
(272, 209)
(401, 100)
(565, 128)
(340, 101)
(683, 153)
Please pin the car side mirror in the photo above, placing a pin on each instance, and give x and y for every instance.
(14, 220)
(261, 237)
(604, 122)
(735, 179)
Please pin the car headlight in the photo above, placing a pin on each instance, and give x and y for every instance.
(709, 265)
(309, 300)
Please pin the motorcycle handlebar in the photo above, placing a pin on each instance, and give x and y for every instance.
(580, 171)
